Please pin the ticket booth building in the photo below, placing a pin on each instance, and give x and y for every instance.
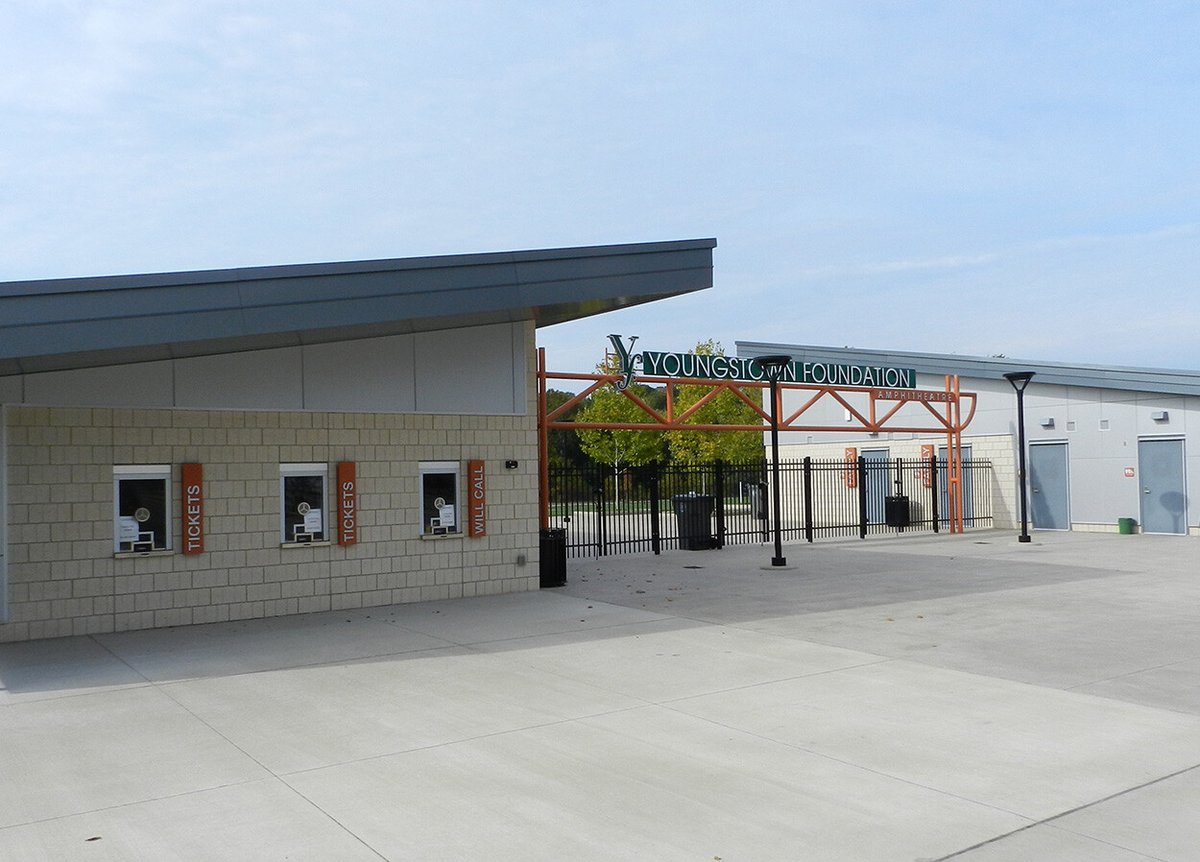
(198, 447)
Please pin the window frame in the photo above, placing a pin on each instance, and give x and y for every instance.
(311, 470)
(428, 529)
(143, 472)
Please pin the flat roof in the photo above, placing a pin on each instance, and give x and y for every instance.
(1162, 380)
(55, 324)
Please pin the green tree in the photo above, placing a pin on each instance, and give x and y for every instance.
(563, 443)
(695, 447)
(620, 449)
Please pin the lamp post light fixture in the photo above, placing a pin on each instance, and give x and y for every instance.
(1019, 380)
(774, 365)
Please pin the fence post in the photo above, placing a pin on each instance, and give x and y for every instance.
(862, 497)
(601, 521)
(763, 500)
(655, 530)
(719, 492)
(808, 495)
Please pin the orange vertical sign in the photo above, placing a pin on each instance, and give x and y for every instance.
(926, 457)
(347, 505)
(192, 480)
(476, 499)
(851, 472)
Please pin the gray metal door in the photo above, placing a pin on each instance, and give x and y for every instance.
(1164, 498)
(1048, 489)
(968, 489)
(879, 483)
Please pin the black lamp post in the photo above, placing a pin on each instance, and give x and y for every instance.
(1019, 380)
(774, 366)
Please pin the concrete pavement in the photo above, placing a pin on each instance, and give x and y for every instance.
(929, 698)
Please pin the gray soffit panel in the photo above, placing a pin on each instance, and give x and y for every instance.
(79, 322)
(1165, 381)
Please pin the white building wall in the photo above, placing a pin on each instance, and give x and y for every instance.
(1098, 455)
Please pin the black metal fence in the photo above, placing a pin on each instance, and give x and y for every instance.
(655, 507)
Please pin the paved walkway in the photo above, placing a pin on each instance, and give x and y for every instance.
(948, 697)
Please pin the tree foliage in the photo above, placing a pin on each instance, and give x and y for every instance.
(631, 448)
(694, 447)
(563, 443)
(619, 448)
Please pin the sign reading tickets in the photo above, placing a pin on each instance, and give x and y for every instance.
(192, 479)
(347, 504)
(655, 364)
(476, 499)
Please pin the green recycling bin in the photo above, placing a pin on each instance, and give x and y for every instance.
(1125, 526)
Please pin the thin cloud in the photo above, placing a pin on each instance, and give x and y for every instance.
(936, 264)
(1169, 232)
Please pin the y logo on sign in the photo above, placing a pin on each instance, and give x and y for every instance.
(627, 362)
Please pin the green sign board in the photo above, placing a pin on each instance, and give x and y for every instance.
(656, 364)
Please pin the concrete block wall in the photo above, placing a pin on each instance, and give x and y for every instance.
(64, 579)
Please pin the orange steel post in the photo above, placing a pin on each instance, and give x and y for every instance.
(949, 460)
(958, 426)
(952, 477)
(543, 444)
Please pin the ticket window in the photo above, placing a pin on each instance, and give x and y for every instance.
(440, 511)
(302, 501)
(142, 508)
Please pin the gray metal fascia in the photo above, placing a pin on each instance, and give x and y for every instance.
(1159, 380)
(63, 322)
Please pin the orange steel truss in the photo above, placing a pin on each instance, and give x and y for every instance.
(944, 415)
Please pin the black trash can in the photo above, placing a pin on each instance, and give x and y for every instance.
(895, 511)
(694, 512)
(758, 500)
(552, 563)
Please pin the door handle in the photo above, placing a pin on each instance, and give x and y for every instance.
(1145, 490)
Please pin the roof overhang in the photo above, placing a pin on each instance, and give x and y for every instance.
(1136, 379)
(57, 324)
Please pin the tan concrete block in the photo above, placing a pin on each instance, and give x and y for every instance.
(263, 592)
(232, 595)
(314, 604)
(92, 625)
(41, 629)
(91, 586)
(14, 632)
(210, 614)
(133, 621)
(173, 617)
(296, 589)
(345, 601)
(192, 598)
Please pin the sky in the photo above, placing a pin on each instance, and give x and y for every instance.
(983, 178)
